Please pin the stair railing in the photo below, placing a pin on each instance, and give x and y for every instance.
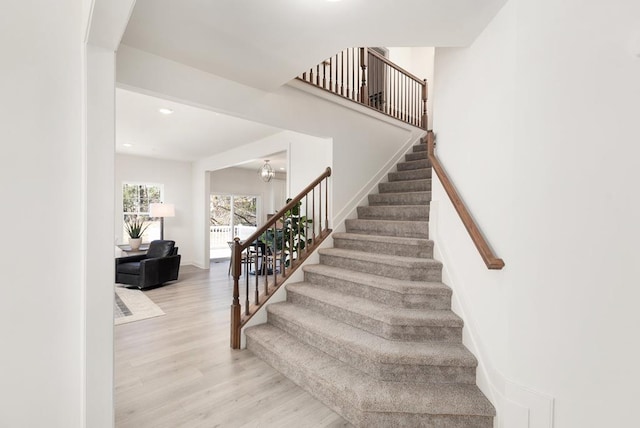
(276, 250)
(364, 76)
(490, 259)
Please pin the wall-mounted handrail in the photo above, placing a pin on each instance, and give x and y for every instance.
(364, 76)
(477, 237)
(280, 247)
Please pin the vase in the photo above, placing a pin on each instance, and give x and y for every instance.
(135, 243)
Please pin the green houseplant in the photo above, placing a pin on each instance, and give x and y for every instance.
(135, 227)
(290, 236)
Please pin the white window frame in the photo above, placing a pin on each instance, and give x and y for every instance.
(154, 229)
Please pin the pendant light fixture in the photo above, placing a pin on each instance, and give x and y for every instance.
(266, 172)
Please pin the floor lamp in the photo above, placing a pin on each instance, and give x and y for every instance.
(161, 211)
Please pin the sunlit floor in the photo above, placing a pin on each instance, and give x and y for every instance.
(178, 370)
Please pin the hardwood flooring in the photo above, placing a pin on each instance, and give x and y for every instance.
(177, 370)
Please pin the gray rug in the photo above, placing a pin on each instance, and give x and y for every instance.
(133, 305)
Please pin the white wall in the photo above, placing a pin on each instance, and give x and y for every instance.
(536, 123)
(41, 176)
(175, 176)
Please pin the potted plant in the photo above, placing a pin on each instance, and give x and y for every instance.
(290, 236)
(135, 227)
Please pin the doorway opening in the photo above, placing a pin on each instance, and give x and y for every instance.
(230, 216)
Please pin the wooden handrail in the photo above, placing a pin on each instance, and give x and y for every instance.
(394, 65)
(477, 237)
(291, 255)
(364, 76)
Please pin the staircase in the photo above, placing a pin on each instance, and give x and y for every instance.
(370, 331)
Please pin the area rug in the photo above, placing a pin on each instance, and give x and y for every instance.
(133, 305)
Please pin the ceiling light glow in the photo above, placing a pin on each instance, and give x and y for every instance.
(127, 145)
(165, 110)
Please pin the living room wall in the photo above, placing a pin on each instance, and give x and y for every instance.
(175, 176)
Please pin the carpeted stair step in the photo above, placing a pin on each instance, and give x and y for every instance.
(394, 212)
(377, 318)
(397, 361)
(404, 198)
(394, 292)
(415, 156)
(405, 186)
(412, 174)
(397, 246)
(420, 148)
(416, 229)
(415, 164)
(363, 400)
(409, 268)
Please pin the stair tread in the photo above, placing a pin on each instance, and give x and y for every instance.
(376, 310)
(389, 222)
(374, 347)
(382, 238)
(387, 259)
(365, 392)
(376, 281)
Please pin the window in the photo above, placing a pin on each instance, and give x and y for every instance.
(136, 198)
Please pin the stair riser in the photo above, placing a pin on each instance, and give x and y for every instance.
(412, 174)
(378, 370)
(415, 156)
(418, 272)
(420, 148)
(315, 385)
(400, 199)
(405, 250)
(405, 186)
(391, 298)
(410, 420)
(405, 166)
(412, 333)
(411, 229)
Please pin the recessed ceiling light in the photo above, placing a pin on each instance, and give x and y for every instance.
(165, 110)
(127, 145)
(281, 169)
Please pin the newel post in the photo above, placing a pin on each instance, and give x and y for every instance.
(235, 306)
(425, 95)
(364, 91)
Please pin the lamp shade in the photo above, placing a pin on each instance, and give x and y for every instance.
(162, 210)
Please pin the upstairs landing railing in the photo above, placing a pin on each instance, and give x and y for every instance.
(276, 250)
(364, 76)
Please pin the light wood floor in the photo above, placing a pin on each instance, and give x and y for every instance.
(177, 370)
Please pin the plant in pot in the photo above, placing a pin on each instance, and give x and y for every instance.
(291, 236)
(135, 227)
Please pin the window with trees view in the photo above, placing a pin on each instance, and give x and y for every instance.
(231, 216)
(136, 198)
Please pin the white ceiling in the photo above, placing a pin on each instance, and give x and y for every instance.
(188, 134)
(265, 44)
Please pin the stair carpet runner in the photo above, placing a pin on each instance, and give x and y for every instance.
(370, 331)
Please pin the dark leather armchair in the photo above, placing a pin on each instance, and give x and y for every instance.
(159, 265)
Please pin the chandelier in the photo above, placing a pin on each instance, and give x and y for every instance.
(266, 172)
